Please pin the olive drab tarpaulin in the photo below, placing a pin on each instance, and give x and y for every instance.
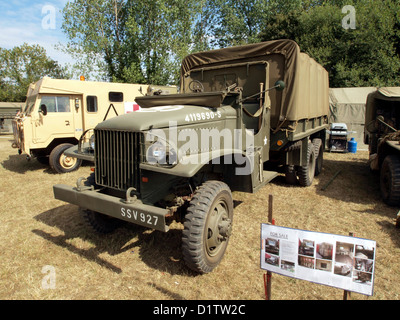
(347, 105)
(378, 98)
(306, 94)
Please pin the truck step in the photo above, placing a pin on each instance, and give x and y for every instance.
(267, 177)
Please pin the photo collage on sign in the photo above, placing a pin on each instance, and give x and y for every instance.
(340, 258)
(344, 262)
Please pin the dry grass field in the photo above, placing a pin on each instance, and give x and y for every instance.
(135, 263)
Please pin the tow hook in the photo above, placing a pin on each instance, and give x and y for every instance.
(129, 197)
(81, 187)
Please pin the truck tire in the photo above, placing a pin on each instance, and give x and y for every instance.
(207, 226)
(306, 172)
(60, 163)
(319, 155)
(390, 180)
(100, 223)
(290, 175)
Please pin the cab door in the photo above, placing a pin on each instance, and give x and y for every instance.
(78, 114)
(55, 120)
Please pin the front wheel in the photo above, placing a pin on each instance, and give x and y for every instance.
(100, 223)
(390, 180)
(61, 163)
(207, 226)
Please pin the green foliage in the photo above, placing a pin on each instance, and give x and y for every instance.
(145, 41)
(22, 66)
(134, 41)
(241, 22)
(365, 56)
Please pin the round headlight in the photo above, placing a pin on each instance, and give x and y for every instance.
(160, 153)
(91, 142)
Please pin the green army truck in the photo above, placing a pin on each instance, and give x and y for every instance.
(8, 111)
(382, 134)
(240, 112)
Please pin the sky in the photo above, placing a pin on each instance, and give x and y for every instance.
(34, 22)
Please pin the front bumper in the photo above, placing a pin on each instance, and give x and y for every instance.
(80, 152)
(132, 211)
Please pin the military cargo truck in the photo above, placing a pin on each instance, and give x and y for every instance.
(382, 124)
(8, 110)
(57, 112)
(180, 157)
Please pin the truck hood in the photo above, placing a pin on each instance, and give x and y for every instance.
(161, 117)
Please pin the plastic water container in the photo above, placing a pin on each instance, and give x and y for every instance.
(352, 146)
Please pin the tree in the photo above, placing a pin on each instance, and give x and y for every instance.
(134, 41)
(22, 66)
(95, 32)
(364, 56)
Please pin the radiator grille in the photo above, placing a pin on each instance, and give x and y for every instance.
(117, 158)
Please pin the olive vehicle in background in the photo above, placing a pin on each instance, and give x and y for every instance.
(8, 111)
(57, 112)
(382, 124)
(243, 114)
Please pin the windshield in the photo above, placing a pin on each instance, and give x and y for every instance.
(30, 103)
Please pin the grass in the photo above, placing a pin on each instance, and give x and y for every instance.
(136, 263)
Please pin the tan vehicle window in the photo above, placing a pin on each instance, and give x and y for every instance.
(91, 104)
(56, 104)
(115, 96)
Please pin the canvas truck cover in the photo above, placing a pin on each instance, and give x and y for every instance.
(380, 99)
(347, 105)
(306, 94)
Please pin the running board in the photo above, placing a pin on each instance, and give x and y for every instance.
(267, 177)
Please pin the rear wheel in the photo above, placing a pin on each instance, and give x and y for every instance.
(390, 180)
(319, 155)
(61, 163)
(207, 226)
(290, 174)
(306, 172)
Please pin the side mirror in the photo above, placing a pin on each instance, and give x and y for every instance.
(43, 109)
(280, 85)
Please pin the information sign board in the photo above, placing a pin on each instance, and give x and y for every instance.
(343, 262)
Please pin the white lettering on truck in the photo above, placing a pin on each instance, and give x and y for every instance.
(139, 216)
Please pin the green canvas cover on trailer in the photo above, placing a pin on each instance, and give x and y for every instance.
(383, 98)
(305, 96)
(347, 105)
(8, 110)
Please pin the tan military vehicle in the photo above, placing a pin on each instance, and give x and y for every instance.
(57, 112)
